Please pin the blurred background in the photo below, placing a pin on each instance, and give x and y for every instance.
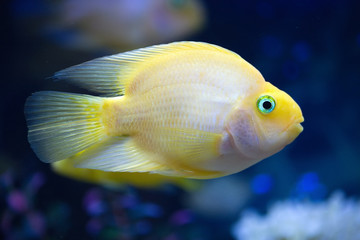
(310, 49)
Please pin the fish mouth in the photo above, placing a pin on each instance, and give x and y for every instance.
(298, 127)
(295, 127)
(295, 124)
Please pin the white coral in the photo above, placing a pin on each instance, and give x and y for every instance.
(336, 219)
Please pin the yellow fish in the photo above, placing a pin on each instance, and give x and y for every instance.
(185, 109)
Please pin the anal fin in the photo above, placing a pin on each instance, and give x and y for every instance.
(118, 154)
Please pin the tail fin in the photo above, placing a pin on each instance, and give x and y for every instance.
(63, 124)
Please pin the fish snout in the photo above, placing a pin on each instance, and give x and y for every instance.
(294, 129)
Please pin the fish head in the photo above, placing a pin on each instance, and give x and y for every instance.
(264, 123)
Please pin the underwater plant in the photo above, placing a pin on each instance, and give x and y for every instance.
(21, 214)
(26, 213)
(336, 218)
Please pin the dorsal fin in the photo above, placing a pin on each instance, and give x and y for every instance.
(109, 75)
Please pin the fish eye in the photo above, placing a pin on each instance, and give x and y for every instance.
(266, 104)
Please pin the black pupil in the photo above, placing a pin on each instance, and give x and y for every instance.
(267, 105)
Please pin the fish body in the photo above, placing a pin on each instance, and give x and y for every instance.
(185, 109)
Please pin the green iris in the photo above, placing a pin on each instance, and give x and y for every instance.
(266, 104)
